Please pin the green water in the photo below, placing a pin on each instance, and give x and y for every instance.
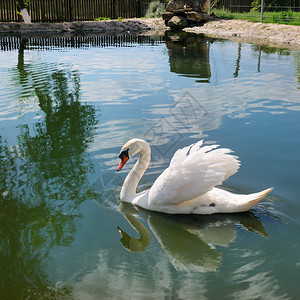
(67, 105)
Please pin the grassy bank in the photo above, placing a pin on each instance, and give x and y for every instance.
(280, 17)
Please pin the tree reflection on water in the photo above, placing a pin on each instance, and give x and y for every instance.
(43, 180)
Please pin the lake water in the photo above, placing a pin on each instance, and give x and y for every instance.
(67, 106)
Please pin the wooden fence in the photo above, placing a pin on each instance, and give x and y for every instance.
(73, 10)
(87, 10)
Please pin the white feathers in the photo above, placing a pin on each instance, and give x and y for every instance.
(188, 185)
(193, 171)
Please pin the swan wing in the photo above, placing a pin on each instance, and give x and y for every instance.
(193, 171)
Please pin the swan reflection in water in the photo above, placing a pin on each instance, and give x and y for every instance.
(190, 241)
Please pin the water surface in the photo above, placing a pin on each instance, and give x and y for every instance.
(67, 105)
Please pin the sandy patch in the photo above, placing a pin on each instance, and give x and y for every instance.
(283, 36)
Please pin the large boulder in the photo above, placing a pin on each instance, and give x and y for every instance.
(196, 5)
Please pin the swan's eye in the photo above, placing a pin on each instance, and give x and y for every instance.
(124, 153)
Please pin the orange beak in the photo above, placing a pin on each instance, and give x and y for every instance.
(122, 162)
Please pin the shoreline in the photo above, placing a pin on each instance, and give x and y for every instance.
(274, 35)
(131, 26)
(269, 34)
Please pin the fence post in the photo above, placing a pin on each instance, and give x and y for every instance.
(71, 15)
(116, 9)
(139, 12)
(262, 11)
(24, 11)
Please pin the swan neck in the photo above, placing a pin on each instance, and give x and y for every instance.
(134, 176)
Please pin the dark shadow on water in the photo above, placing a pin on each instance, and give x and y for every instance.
(68, 41)
(189, 55)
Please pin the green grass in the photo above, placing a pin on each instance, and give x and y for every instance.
(102, 19)
(280, 17)
(106, 19)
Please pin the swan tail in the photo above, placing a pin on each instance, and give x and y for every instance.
(256, 197)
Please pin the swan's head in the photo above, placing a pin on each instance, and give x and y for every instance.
(130, 149)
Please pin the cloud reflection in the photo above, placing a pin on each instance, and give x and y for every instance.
(194, 111)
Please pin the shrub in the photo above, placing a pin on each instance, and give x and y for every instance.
(285, 16)
(155, 9)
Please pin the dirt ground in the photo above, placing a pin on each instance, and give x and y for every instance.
(281, 36)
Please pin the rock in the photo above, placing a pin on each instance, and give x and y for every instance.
(192, 18)
(196, 5)
(167, 16)
(198, 17)
(178, 22)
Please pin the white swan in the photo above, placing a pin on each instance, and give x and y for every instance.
(187, 186)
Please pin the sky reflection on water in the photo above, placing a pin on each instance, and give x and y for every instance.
(64, 116)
